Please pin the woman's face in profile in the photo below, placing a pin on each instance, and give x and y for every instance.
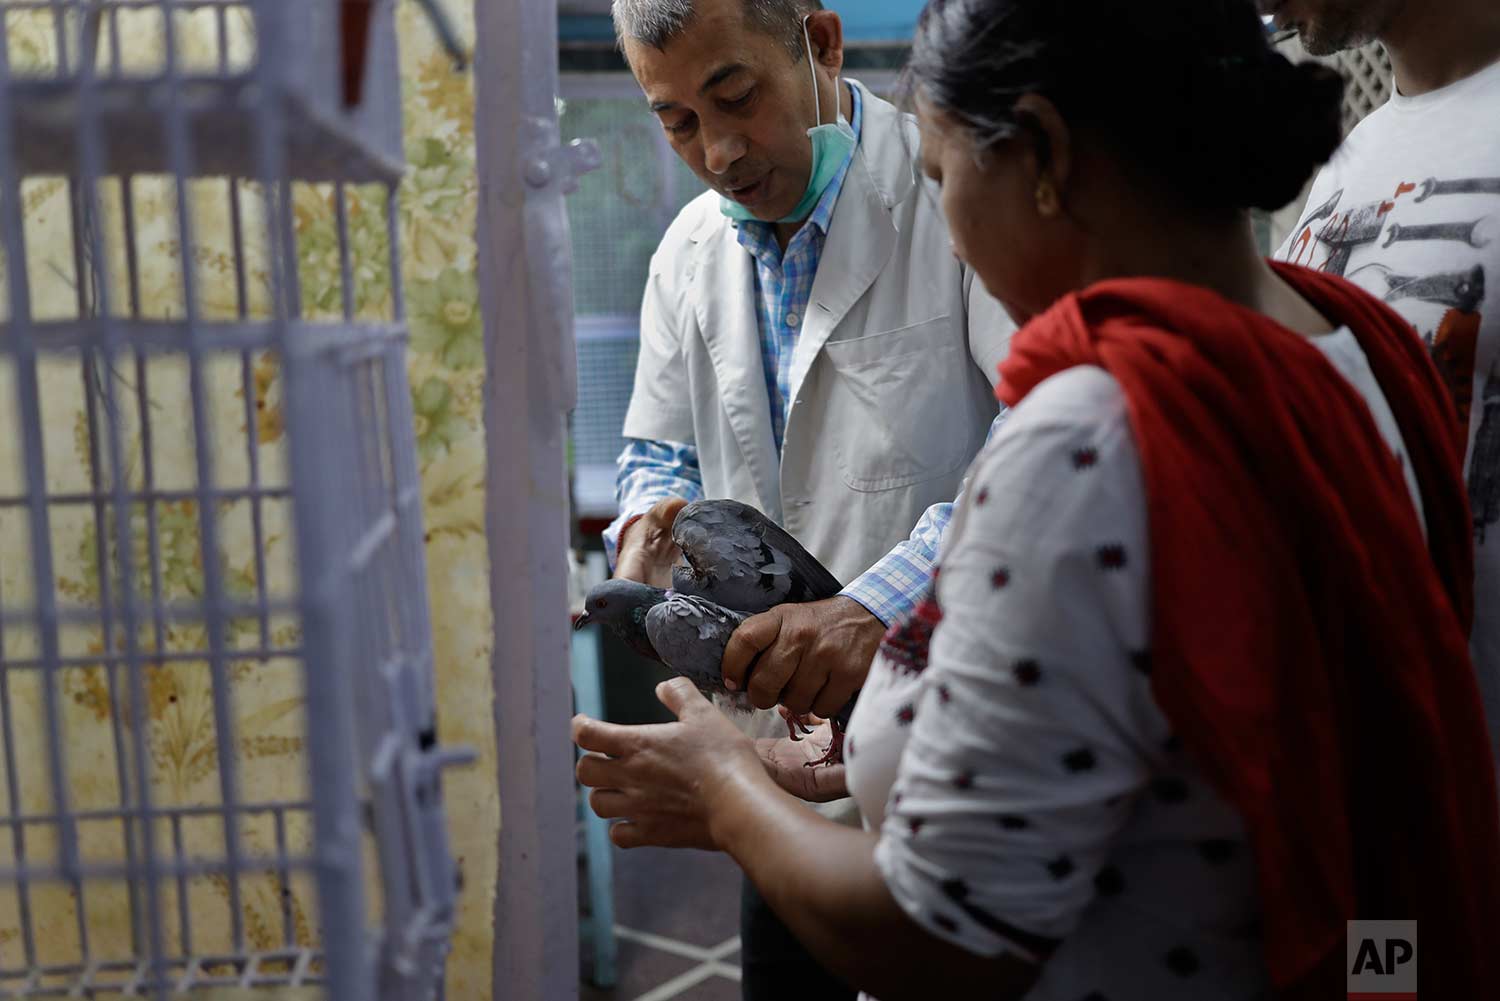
(989, 200)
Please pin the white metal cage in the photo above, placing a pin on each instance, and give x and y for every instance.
(218, 754)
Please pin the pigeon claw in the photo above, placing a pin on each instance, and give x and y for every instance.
(835, 753)
(796, 726)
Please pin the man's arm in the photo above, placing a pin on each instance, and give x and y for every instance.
(650, 472)
(891, 588)
(659, 469)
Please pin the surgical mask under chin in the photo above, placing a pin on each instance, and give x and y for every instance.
(831, 145)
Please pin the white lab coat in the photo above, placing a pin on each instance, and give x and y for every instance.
(892, 387)
(892, 379)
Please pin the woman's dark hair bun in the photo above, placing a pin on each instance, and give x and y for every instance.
(1189, 92)
(1285, 121)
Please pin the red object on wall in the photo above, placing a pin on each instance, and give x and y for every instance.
(354, 21)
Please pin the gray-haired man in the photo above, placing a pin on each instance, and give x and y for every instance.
(809, 346)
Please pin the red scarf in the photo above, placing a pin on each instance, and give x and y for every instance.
(1309, 647)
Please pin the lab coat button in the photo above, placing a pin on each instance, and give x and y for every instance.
(792, 319)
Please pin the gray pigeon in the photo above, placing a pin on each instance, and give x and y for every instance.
(621, 606)
(738, 563)
(737, 557)
(740, 559)
(685, 633)
(690, 634)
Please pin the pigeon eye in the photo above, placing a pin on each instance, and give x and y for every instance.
(601, 603)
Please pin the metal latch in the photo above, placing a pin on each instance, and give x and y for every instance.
(552, 162)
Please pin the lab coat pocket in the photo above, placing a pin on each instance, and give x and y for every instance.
(899, 409)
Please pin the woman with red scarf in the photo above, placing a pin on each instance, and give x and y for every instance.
(1191, 690)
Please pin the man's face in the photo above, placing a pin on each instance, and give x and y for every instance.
(1329, 26)
(736, 106)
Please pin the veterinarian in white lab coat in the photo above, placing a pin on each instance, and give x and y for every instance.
(809, 345)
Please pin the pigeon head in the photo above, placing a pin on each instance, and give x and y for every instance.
(620, 604)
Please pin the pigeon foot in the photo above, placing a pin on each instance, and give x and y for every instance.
(796, 726)
(835, 753)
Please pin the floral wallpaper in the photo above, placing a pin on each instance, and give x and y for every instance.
(437, 217)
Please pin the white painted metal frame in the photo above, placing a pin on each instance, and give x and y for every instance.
(525, 280)
(365, 646)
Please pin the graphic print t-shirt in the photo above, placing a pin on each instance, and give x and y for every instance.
(1409, 210)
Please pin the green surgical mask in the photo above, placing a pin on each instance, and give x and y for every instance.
(831, 145)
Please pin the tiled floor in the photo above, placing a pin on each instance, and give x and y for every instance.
(677, 915)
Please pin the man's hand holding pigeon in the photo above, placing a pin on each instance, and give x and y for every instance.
(809, 648)
(809, 657)
(647, 551)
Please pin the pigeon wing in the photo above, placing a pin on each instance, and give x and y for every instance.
(743, 560)
(809, 579)
(690, 634)
(725, 558)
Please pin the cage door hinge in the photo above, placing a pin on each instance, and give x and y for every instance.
(549, 161)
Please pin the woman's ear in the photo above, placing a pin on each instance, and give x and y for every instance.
(1052, 151)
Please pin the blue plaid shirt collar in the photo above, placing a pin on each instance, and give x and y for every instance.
(760, 237)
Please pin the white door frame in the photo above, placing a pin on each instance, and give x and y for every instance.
(525, 282)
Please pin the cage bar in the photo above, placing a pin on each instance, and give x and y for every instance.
(166, 638)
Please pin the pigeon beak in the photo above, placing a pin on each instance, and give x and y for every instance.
(582, 620)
